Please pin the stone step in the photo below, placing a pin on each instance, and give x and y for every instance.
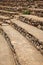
(26, 53)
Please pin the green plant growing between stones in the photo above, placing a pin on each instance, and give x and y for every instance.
(26, 12)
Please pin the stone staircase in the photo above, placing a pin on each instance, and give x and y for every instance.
(39, 4)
